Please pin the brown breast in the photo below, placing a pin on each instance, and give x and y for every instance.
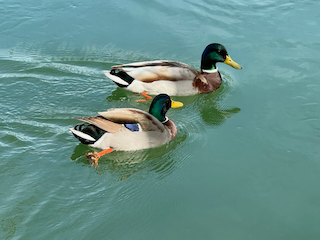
(214, 82)
(172, 127)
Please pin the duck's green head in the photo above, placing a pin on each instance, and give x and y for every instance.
(161, 104)
(214, 53)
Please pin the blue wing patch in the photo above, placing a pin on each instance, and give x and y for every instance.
(134, 127)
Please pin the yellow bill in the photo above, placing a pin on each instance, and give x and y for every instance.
(230, 62)
(176, 104)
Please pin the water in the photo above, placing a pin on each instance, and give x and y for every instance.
(245, 163)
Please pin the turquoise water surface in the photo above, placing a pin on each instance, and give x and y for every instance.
(245, 163)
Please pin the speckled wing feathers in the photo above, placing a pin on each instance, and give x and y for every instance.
(160, 70)
(131, 115)
(104, 124)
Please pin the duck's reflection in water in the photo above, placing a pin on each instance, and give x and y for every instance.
(124, 164)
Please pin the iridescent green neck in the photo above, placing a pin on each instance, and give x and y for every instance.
(211, 69)
(207, 64)
(158, 115)
(156, 110)
(159, 106)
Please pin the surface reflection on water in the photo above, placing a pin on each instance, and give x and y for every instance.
(124, 164)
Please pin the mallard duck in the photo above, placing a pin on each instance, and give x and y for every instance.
(173, 78)
(128, 129)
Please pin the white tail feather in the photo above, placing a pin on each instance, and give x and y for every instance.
(82, 135)
(115, 78)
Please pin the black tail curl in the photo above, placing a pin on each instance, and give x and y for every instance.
(89, 129)
(123, 75)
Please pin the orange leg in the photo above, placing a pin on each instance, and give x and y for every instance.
(94, 157)
(147, 97)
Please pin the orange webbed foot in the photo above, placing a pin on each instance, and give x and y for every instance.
(94, 157)
(147, 97)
